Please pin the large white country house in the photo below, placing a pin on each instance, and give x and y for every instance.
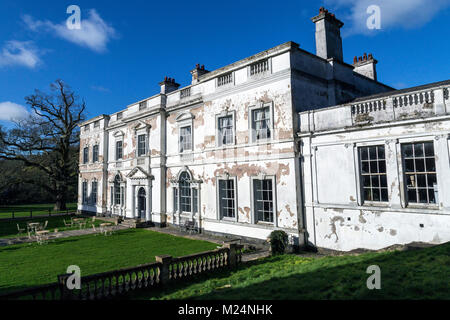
(282, 140)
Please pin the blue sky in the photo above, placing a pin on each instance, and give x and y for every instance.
(126, 48)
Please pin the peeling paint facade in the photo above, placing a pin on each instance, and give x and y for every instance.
(340, 214)
(226, 154)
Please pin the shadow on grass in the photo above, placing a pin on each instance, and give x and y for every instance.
(419, 274)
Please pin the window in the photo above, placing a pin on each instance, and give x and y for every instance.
(185, 192)
(84, 192)
(95, 153)
(261, 124)
(85, 155)
(119, 115)
(185, 197)
(94, 192)
(117, 191)
(420, 172)
(225, 130)
(141, 145)
(119, 151)
(227, 193)
(373, 173)
(142, 105)
(97, 124)
(185, 138)
(263, 200)
(86, 127)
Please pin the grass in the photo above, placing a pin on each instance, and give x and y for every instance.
(418, 274)
(26, 265)
(37, 209)
(8, 228)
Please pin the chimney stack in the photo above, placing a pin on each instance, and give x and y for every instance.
(197, 73)
(366, 65)
(328, 35)
(168, 85)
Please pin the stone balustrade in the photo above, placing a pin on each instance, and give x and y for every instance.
(111, 284)
(416, 104)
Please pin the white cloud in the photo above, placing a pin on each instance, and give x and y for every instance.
(94, 34)
(21, 53)
(12, 111)
(394, 13)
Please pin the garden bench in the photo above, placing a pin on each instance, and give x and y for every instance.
(190, 226)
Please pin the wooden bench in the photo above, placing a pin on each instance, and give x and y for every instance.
(189, 226)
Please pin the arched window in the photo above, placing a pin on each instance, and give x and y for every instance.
(185, 196)
(185, 192)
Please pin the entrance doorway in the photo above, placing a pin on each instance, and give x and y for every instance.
(142, 203)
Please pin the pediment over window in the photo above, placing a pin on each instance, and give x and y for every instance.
(118, 133)
(184, 116)
(141, 125)
(139, 174)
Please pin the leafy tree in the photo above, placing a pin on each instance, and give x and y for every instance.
(48, 140)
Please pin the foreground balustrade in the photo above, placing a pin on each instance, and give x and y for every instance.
(112, 284)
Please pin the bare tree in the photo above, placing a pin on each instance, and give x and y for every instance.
(47, 140)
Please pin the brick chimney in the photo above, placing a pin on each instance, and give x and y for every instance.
(198, 72)
(328, 35)
(366, 65)
(168, 85)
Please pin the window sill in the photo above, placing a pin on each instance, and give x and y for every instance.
(422, 206)
(265, 223)
(375, 204)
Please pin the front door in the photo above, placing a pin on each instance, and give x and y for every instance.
(142, 203)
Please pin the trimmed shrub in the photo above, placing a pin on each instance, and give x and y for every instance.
(278, 242)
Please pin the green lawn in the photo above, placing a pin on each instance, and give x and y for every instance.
(27, 265)
(8, 228)
(37, 209)
(419, 274)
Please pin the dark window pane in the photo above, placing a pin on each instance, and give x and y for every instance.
(384, 195)
(409, 165)
(418, 149)
(375, 182)
(431, 166)
(364, 154)
(382, 166)
(372, 153)
(367, 194)
(365, 167)
(366, 181)
(373, 166)
(423, 195)
(431, 180)
(421, 181)
(412, 195)
(407, 150)
(420, 165)
(380, 152)
(383, 181)
(376, 194)
(431, 196)
(429, 149)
